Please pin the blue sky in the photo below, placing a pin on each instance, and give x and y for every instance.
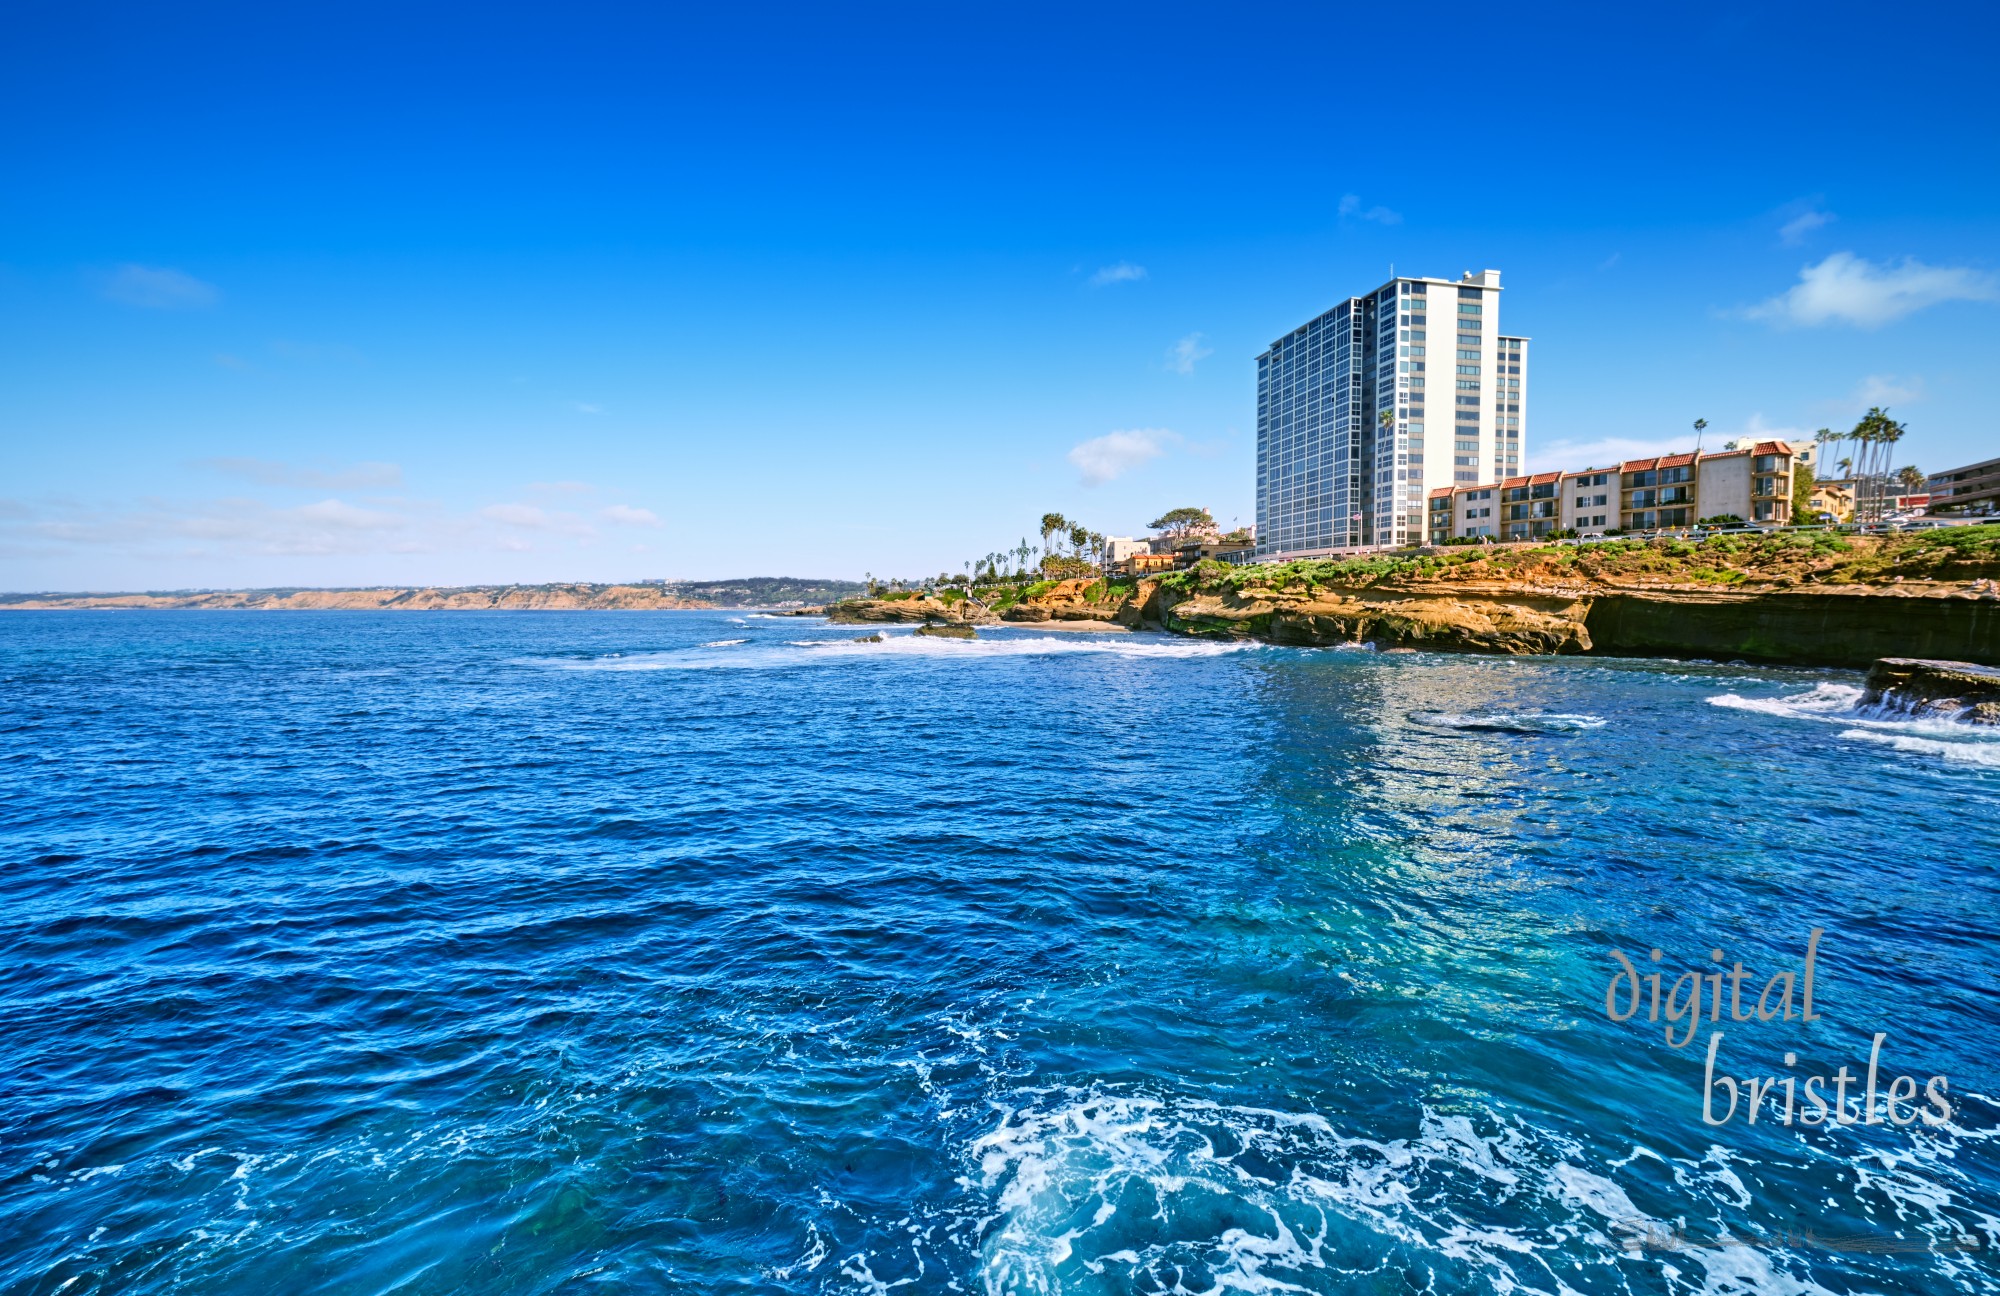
(369, 293)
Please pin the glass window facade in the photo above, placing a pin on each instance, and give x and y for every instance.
(1341, 455)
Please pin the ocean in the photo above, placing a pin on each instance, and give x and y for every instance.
(717, 952)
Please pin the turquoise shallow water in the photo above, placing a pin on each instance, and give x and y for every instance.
(359, 953)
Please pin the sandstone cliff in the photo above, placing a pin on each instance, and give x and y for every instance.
(573, 597)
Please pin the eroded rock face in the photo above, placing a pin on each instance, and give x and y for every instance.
(1960, 690)
(1439, 622)
(864, 611)
(1067, 601)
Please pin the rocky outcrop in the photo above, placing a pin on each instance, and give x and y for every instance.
(1950, 689)
(1070, 600)
(1318, 616)
(865, 610)
(1844, 629)
(941, 631)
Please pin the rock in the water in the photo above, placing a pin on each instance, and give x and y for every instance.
(1947, 688)
(948, 631)
(874, 638)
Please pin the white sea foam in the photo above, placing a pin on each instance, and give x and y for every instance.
(1161, 1194)
(1818, 702)
(1933, 737)
(894, 644)
(1958, 753)
(1508, 721)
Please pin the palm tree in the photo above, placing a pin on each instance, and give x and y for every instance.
(1053, 524)
(1700, 425)
(1911, 478)
(1876, 434)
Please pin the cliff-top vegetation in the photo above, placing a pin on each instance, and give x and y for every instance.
(1813, 558)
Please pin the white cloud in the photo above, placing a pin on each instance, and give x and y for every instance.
(626, 515)
(520, 515)
(585, 407)
(1758, 428)
(533, 517)
(1123, 272)
(1566, 456)
(1793, 232)
(1885, 389)
(1106, 458)
(1181, 356)
(1846, 289)
(158, 288)
(339, 513)
(269, 472)
(1350, 205)
(1603, 452)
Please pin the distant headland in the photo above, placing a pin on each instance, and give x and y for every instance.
(660, 596)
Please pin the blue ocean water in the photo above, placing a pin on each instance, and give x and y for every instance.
(714, 952)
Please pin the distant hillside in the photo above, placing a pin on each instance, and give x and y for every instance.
(665, 596)
(765, 591)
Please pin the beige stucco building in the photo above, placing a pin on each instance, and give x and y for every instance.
(1664, 493)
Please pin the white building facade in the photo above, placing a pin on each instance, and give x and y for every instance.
(1366, 409)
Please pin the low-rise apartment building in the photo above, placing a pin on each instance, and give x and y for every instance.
(1973, 489)
(1663, 493)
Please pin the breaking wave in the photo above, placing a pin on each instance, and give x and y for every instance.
(1936, 737)
(892, 644)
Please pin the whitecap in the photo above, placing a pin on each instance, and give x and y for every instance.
(1819, 701)
(1939, 737)
(724, 643)
(1520, 722)
(1960, 753)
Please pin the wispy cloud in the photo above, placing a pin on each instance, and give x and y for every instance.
(626, 515)
(1123, 272)
(269, 472)
(1887, 389)
(157, 288)
(1846, 289)
(1106, 458)
(1602, 452)
(1350, 205)
(533, 517)
(1182, 355)
(585, 407)
(157, 529)
(1794, 231)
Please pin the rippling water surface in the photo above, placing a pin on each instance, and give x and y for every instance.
(509, 953)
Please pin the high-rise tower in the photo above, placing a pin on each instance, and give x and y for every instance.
(1364, 409)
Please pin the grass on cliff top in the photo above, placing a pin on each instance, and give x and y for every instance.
(1790, 558)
